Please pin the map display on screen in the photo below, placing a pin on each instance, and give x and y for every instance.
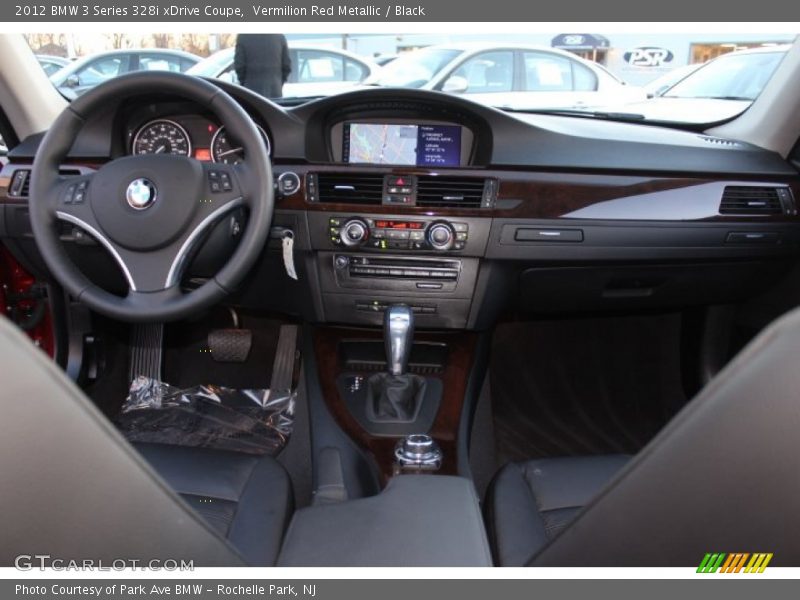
(402, 144)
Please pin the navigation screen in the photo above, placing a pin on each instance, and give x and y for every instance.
(387, 144)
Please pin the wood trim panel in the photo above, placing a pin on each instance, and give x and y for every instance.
(521, 194)
(531, 195)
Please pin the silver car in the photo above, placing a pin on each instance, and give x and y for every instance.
(89, 71)
(316, 70)
(508, 76)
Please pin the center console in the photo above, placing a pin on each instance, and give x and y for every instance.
(368, 261)
(393, 247)
(417, 521)
(399, 395)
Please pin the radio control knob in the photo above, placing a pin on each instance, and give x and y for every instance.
(441, 236)
(354, 232)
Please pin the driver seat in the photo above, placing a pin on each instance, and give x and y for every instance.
(75, 488)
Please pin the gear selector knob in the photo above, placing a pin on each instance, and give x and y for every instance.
(398, 333)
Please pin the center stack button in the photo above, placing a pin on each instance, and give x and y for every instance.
(441, 236)
(354, 233)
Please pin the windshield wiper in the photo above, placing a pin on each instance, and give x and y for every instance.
(739, 98)
(290, 101)
(575, 112)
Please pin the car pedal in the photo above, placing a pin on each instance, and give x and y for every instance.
(230, 345)
(146, 351)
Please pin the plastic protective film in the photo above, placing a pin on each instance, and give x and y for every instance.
(252, 421)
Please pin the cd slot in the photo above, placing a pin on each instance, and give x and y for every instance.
(399, 274)
(399, 268)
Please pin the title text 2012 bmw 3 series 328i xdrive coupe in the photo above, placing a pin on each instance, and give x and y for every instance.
(394, 327)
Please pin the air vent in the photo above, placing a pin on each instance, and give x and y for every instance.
(756, 201)
(350, 188)
(21, 182)
(720, 141)
(455, 192)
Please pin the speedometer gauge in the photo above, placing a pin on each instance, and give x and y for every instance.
(162, 137)
(229, 151)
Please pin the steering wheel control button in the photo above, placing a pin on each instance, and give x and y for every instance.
(141, 193)
(288, 183)
(80, 192)
(76, 193)
(219, 181)
(69, 194)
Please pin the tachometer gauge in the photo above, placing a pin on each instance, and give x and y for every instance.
(162, 137)
(226, 150)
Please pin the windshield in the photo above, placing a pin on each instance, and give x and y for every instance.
(414, 69)
(213, 65)
(732, 77)
(684, 79)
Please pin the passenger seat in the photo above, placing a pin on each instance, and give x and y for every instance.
(720, 477)
(530, 503)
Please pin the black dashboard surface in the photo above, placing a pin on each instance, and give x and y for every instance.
(513, 140)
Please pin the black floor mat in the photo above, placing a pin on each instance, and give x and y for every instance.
(584, 386)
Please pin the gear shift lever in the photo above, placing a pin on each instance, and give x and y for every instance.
(396, 396)
(398, 333)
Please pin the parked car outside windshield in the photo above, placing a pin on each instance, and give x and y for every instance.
(51, 64)
(718, 90)
(518, 77)
(611, 80)
(82, 75)
(316, 71)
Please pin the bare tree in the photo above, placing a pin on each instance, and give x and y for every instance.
(226, 40)
(119, 41)
(161, 40)
(54, 44)
(196, 43)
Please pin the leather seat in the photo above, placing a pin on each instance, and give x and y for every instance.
(720, 477)
(530, 503)
(247, 499)
(75, 487)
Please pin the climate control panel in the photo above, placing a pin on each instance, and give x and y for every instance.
(395, 234)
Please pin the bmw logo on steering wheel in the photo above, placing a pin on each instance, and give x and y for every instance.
(141, 193)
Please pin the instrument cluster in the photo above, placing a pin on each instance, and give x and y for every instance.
(189, 135)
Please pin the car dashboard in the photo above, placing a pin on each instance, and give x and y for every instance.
(460, 210)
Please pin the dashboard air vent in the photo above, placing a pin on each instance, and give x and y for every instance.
(748, 200)
(20, 186)
(455, 192)
(350, 188)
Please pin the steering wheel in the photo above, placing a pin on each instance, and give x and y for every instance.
(151, 212)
